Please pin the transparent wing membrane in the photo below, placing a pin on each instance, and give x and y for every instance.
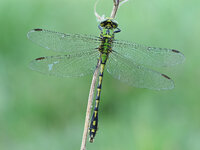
(126, 62)
(135, 75)
(149, 56)
(79, 64)
(61, 42)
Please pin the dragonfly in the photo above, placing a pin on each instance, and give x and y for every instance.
(127, 61)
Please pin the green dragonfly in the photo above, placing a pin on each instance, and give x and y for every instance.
(124, 60)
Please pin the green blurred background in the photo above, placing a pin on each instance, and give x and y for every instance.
(40, 112)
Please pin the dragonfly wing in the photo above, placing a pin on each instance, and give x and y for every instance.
(61, 42)
(135, 75)
(79, 64)
(149, 56)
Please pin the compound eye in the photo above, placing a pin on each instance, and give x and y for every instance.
(102, 24)
(115, 25)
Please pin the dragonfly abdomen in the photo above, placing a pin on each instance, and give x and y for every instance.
(94, 120)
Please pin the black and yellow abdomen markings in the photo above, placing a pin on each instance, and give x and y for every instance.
(94, 120)
(107, 28)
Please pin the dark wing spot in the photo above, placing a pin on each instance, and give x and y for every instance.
(38, 29)
(175, 51)
(40, 58)
(68, 56)
(166, 76)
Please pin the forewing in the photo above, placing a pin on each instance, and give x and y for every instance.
(61, 42)
(149, 56)
(136, 75)
(79, 64)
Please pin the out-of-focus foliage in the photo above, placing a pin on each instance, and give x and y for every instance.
(39, 112)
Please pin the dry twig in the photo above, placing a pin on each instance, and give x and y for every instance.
(115, 8)
(89, 107)
(117, 4)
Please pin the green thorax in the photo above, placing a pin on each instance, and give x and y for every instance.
(107, 35)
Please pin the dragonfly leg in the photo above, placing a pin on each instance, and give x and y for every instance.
(117, 31)
(100, 28)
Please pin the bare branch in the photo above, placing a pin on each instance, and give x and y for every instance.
(95, 12)
(89, 107)
(116, 5)
(94, 79)
(122, 2)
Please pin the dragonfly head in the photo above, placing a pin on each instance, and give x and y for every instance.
(109, 23)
